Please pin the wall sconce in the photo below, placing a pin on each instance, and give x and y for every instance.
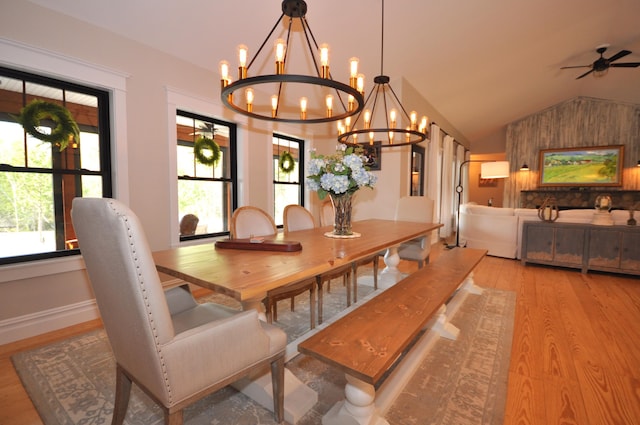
(638, 164)
(524, 167)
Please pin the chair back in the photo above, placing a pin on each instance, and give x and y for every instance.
(126, 285)
(251, 221)
(415, 208)
(189, 224)
(297, 217)
(327, 215)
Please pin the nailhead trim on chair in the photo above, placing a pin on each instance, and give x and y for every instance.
(153, 326)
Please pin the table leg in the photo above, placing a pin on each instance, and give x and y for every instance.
(298, 398)
(358, 408)
(390, 275)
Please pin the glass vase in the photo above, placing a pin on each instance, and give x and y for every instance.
(342, 211)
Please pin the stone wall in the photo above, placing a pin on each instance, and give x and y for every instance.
(580, 198)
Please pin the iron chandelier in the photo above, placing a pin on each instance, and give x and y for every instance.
(271, 96)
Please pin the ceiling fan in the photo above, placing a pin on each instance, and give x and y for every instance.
(601, 65)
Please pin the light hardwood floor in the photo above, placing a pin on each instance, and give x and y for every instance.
(575, 356)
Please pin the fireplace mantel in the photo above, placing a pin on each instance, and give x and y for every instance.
(568, 198)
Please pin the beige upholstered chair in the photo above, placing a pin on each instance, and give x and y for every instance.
(327, 216)
(175, 350)
(251, 221)
(297, 217)
(418, 209)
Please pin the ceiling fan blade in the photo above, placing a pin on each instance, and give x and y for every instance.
(625, 65)
(620, 54)
(585, 74)
(576, 66)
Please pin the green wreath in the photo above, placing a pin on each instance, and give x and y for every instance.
(204, 143)
(65, 129)
(286, 163)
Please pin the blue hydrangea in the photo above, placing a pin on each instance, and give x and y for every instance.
(339, 173)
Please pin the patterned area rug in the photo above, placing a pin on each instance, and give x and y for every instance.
(460, 382)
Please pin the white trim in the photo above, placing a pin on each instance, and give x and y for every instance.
(29, 325)
(33, 269)
(36, 60)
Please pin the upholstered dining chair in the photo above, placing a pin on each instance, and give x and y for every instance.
(297, 217)
(250, 221)
(327, 216)
(417, 209)
(176, 350)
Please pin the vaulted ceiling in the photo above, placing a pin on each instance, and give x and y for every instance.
(481, 64)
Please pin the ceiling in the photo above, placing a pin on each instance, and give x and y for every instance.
(481, 64)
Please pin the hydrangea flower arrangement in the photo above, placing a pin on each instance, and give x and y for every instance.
(341, 173)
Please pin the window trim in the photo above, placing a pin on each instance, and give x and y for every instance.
(233, 172)
(301, 169)
(178, 100)
(24, 57)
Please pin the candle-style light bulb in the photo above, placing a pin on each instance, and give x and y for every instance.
(391, 133)
(414, 120)
(353, 72)
(224, 73)
(371, 137)
(360, 83)
(324, 60)
(303, 108)
(392, 118)
(242, 61)
(424, 123)
(340, 127)
(355, 138)
(367, 119)
(347, 123)
(248, 93)
(329, 101)
(274, 105)
(351, 102)
(280, 50)
(407, 136)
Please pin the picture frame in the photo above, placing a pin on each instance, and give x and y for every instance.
(373, 155)
(582, 166)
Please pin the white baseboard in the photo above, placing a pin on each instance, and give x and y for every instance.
(29, 325)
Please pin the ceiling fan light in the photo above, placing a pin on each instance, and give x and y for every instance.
(600, 73)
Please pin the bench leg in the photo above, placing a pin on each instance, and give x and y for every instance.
(358, 408)
(470, 286)
(443, 327)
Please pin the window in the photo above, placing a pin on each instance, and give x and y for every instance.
(287, 186)
(417, 170)
(207, 193)
(38, 181)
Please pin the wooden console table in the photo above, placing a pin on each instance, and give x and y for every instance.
(584, 246)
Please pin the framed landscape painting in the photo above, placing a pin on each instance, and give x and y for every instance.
(586, 166)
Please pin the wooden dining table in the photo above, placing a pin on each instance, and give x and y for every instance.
(247, 275)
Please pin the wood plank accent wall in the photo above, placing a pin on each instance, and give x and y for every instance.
(578, 122)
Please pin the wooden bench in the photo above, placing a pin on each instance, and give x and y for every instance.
(366, 343)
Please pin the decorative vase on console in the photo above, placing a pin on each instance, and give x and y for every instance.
(603, 206)
(340, 176)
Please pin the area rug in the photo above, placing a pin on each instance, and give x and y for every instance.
(459, 382)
